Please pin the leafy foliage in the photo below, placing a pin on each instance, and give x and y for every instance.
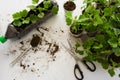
(47, 4)
(55, 10)
(35, 1)
(24, 17)
(102, 16)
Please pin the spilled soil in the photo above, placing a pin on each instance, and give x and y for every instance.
(36, 40)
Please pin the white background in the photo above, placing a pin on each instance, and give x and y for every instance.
(61, 68)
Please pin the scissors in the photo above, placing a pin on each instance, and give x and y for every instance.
(71, 51)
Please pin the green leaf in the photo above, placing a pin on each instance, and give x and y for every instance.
(118, 17)
(108, 11)
(26, 21)
(113, 42)
(117, 51)
(98, 46)
(119, 41)
(69, 21)
(79, 52)
(41, 15)
(68, 14)
(33, 18)
(101, 39)
(83, 18)
(104, 63)
(106, 52)
(17, 23)
(54, 9)
(24, 13)
(35, 1)
(40, 9)
(90, 56)
(77, 44)
(17, 16)
(89, 9)
(116, 31)
(32, 7)
(111, 72)
(88, 43)
(68, 18)
(47, 4)
(98, 20)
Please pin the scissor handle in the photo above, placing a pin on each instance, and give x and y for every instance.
(81, 73)
(88, 67)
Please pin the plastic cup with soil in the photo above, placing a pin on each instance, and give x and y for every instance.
(77, 34)
(69, 6)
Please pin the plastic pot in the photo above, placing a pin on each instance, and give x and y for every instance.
(13, 31)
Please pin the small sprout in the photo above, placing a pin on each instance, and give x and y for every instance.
(47, 4)
(32, 7)
(40, 9)
(17, 23)
(41, 15)
(24, 13)
(55, 10)
(35, 1)
(17, 16)
(26, 21)
(37, 12)
(33, 18)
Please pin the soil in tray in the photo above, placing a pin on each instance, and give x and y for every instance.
(69, 5)
(21, 28)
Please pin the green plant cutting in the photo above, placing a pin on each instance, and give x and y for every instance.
(24, 17)
(103, 17)
(75, 22)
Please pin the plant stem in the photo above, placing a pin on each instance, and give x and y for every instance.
(109, 3)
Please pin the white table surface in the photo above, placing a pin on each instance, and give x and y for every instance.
(61, 68)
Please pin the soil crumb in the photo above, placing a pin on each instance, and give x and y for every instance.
(23, 66)
(35, 41)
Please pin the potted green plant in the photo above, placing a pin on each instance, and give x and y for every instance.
(24, 21)
(69, 5)
(104, 46)
(76, 24)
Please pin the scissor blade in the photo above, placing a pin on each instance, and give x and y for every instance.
(70, 44)
(70, 52)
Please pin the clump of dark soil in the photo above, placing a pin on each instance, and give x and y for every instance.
(22, 65)
(69, 6)
(55, 49)
(35, 41)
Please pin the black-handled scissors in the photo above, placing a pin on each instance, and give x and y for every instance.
(90, 67)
